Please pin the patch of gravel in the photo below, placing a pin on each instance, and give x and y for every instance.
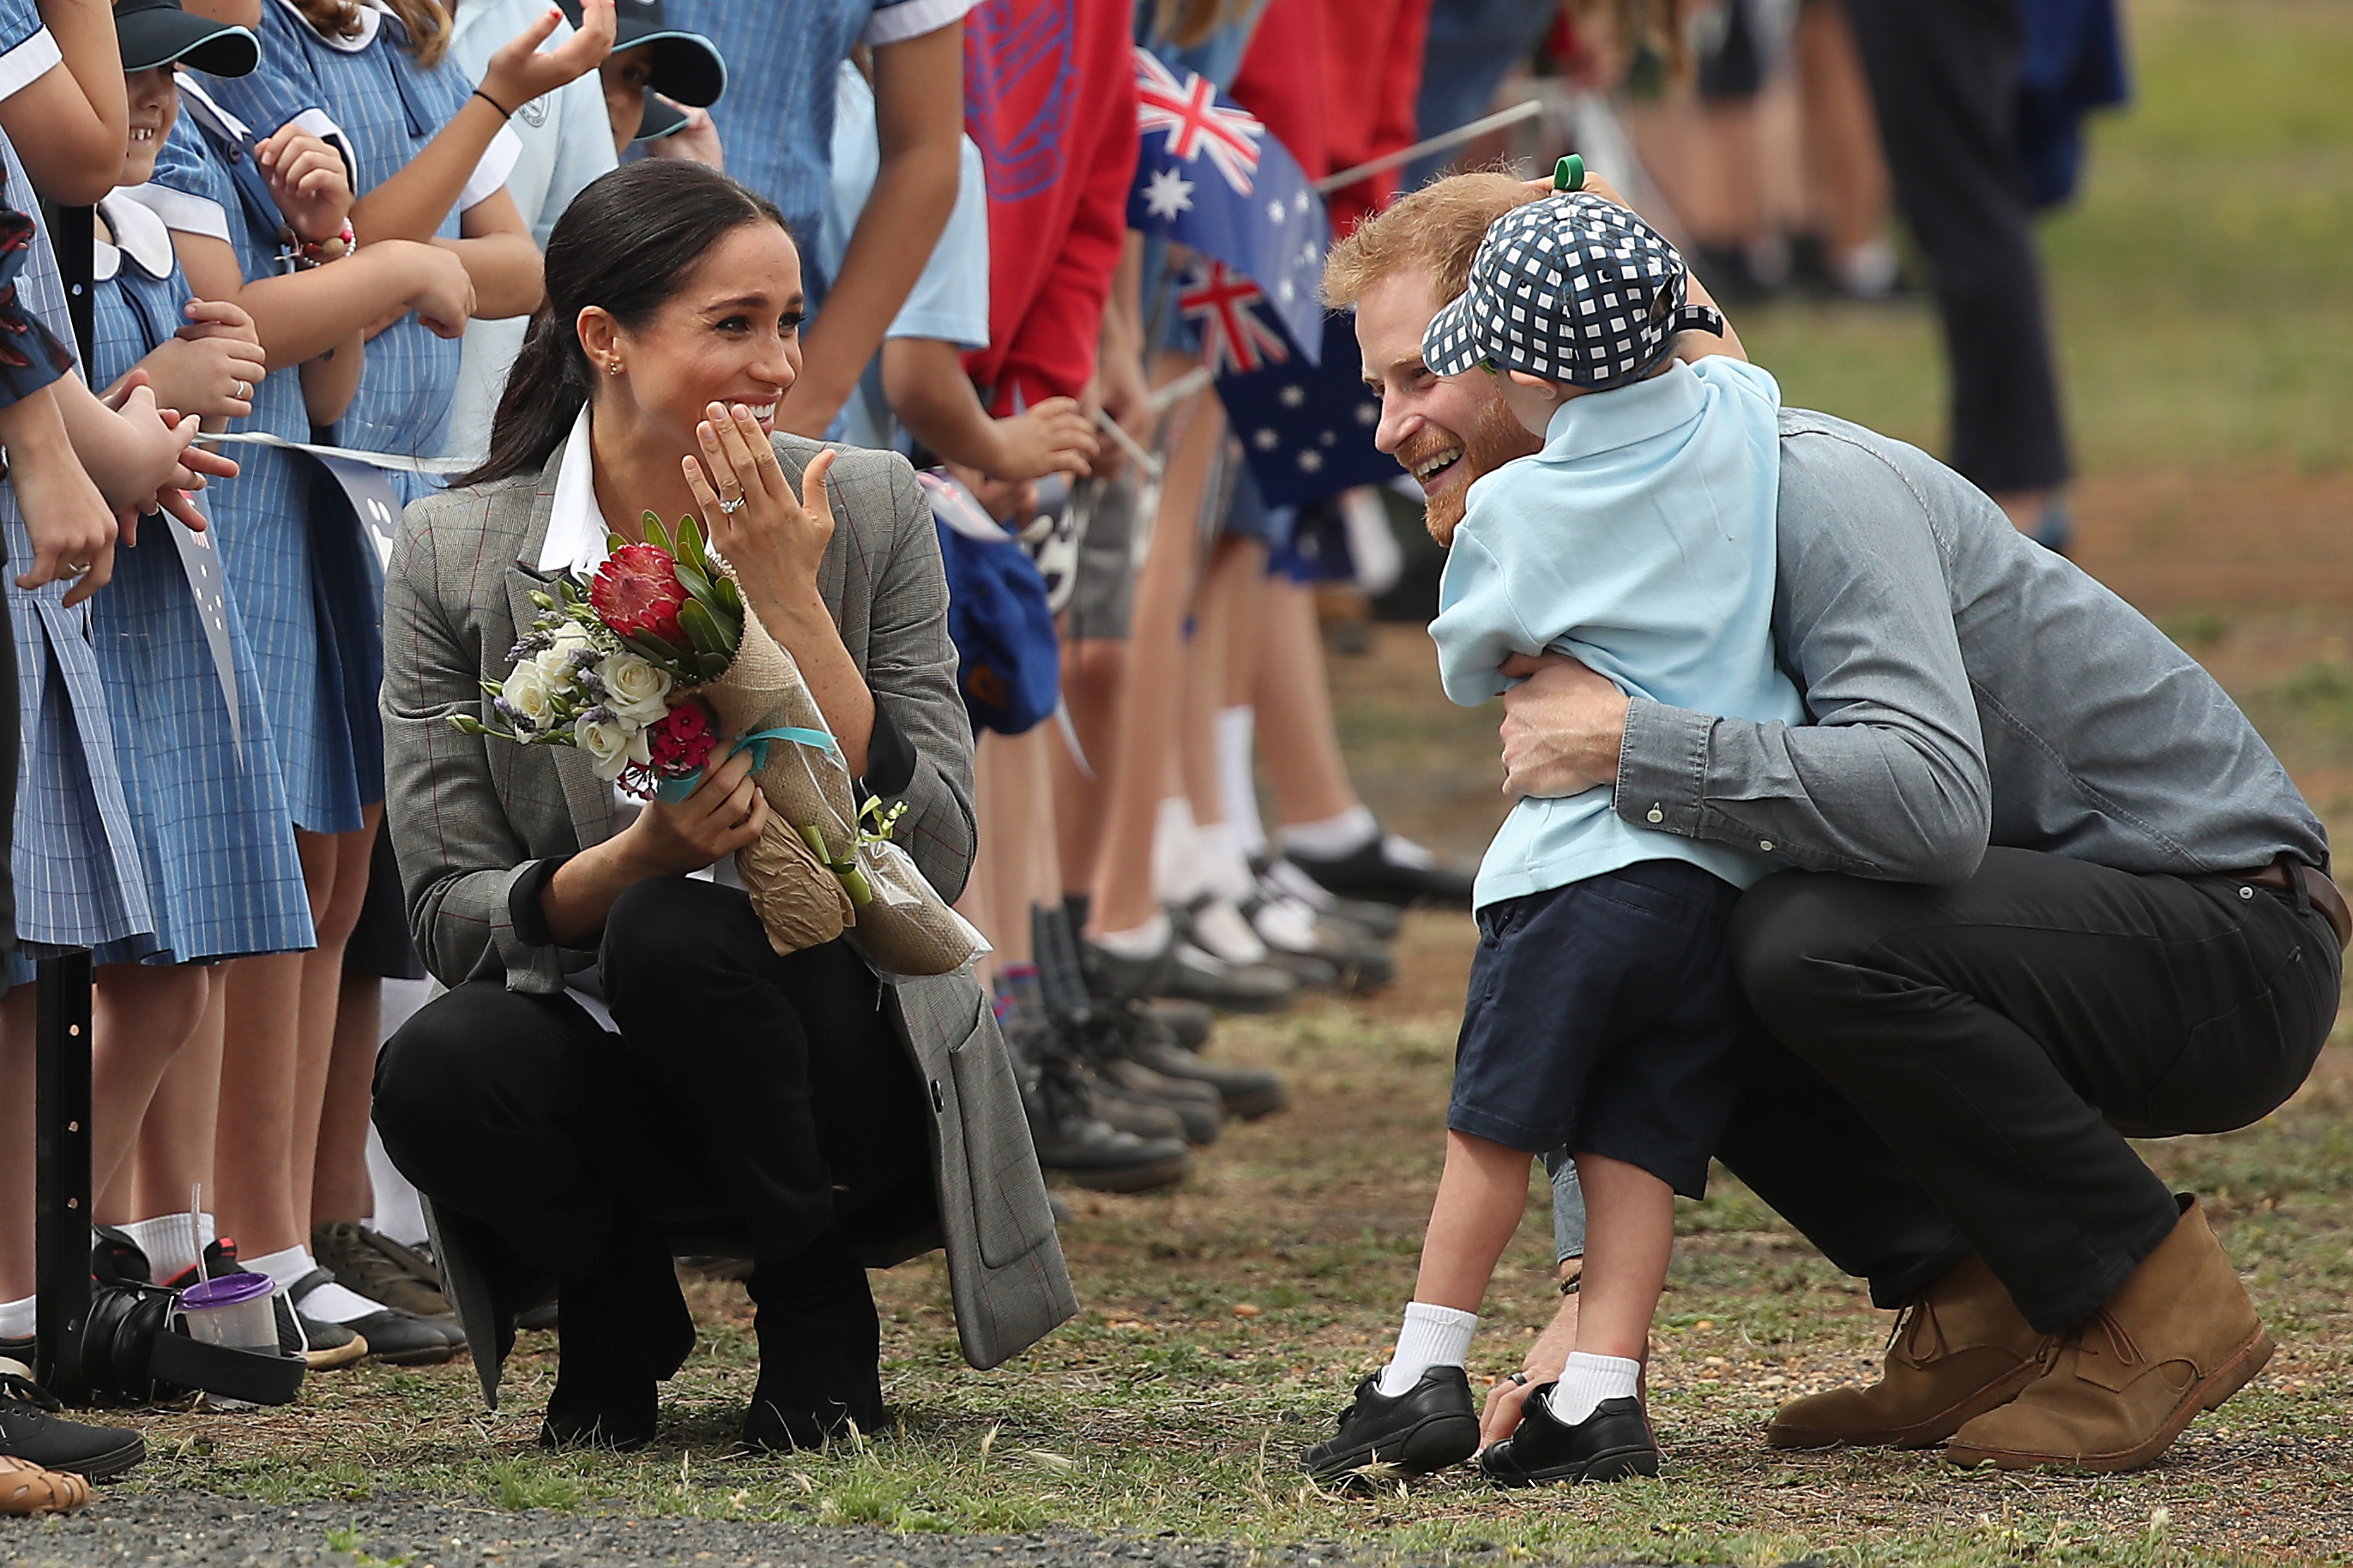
(195, 1530)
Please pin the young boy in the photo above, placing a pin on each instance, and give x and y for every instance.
(1603, 1015)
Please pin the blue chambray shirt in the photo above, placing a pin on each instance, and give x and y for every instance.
(1640, 540)
(776, 120)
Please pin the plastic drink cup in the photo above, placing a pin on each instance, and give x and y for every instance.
(232, 1309)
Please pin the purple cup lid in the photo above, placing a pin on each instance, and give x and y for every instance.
(225, 1290)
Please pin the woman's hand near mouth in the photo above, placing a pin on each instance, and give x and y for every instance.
(776, 541)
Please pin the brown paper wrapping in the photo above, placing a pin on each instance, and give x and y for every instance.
(907, 928)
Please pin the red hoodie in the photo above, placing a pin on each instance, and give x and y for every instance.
(1049, 98)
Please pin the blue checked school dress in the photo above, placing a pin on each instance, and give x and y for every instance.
(75, 859)
(388, 108)
(775, 119)
(306, 580)
(205, 798)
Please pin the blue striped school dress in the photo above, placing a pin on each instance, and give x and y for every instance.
(74, 860)
(305, 580)
(388, 108)
(223, 878)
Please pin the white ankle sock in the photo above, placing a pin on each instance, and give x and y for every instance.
(1332, 837)
(1237, 785)
(1176, 873)
(1140, 942)
(1432, 1336)
(329, 1304)
(1587, 1379)
(16, 1318)
(1225, 864)
(170, 1242)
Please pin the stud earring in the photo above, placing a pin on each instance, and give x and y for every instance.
(613, 366)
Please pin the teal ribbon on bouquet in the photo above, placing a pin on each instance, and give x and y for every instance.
(676, 790)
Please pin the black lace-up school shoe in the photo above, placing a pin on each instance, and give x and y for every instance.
(1609, 1445)
(1429, 1427)
(31, 1428)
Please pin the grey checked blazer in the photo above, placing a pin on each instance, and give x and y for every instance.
(470, 814)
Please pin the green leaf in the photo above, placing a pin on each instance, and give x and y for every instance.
(700, 626)
(658, 536)
(725, 594)
(615, 541)
(713, 666)
(693, 581)
(690, 544)
(656, 648)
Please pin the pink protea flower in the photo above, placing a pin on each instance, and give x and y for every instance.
(636, 593)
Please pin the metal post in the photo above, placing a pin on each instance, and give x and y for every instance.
(61, 1162)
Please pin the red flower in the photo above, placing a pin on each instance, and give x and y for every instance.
(682, 742)
(636, 592)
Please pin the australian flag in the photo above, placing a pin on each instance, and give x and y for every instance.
(1307, 428)
(1209, 177)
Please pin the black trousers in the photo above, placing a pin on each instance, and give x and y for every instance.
(1958, 1069)
(1945, 80)
(771, 1090)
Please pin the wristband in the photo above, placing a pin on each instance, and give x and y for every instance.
(504, 112)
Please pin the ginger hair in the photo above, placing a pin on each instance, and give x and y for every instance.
(1437, 228)
(426, 21)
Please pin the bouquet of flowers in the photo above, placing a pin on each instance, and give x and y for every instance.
(645, 666)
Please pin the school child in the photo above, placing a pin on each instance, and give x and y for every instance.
(561, 147)
(266, 222)
(1603, 1015)
(776, 123)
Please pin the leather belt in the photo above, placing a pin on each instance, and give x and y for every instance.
(2316, 887)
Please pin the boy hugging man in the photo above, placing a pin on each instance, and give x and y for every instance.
(1603, 1015)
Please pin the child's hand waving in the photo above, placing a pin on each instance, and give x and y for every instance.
(522, 71)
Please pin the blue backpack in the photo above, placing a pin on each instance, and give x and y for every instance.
(1008, 664)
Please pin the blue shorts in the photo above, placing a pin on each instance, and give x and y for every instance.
(1604, 1018)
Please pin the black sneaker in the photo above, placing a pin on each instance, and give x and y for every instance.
(1190, 1022)
(31, 1429)
(1609, 1445)
(1429, 1427)
(1390, 870)
(1136, 1034)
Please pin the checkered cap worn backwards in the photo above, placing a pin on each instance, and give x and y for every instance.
(1571, 287)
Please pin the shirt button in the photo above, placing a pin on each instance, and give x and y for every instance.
(1766, 844)
(1657, 816)
(2245, 891)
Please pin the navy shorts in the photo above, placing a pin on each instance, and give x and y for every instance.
(1604, 1018)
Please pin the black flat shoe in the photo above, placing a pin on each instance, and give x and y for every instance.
(31, 1428)
(614, 1411)
(1429, 1427)
(820, 1349)
(1609, 1445)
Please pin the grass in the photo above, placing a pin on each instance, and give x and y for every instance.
(2204, 290)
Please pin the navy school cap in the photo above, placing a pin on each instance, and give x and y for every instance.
(686, 66)
(156, 33)
(1572, 288)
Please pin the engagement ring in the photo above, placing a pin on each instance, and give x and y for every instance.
(730, 507)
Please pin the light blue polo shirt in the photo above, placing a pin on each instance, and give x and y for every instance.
(1640, 539)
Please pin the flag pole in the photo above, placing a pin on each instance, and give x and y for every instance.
(1439, 143)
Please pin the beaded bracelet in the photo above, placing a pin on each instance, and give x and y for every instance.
(306, 254)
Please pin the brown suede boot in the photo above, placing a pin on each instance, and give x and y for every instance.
(1959, 1349)
(2180, 1339)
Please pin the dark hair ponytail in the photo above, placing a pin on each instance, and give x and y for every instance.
(627, 243)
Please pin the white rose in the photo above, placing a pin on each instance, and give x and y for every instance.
(571, 635)
(634, 688)
(527, 694)
(612, 744)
